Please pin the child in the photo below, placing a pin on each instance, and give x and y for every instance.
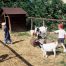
(61, 35)
(7, 37)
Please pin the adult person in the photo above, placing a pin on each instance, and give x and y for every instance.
(7, 38)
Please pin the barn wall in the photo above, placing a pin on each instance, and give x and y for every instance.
(18, 22)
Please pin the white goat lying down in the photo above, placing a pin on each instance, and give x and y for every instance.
(48, 47)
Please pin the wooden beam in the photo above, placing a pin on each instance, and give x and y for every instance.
(61, 20)
(31, 24)
(43, 23)
(9, 23)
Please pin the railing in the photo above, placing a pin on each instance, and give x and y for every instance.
(43, 19)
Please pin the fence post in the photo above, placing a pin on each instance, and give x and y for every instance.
(43, 22)
(31, 24)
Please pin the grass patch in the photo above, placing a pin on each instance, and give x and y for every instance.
(52, 37)
(65, 64)
(62, 62)
(23, 34)
(20, 33)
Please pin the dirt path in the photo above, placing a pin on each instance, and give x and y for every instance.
(22, 53)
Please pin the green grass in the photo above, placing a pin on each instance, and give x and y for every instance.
(52, 37)
(23, 34)
(62, 62)
(49, 37)
(65, 64)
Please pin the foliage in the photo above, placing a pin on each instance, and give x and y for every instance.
(39, 8)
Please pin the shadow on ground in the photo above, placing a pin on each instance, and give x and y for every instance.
(51, 53)
(17, 41)
(17, 55)
(3, 57)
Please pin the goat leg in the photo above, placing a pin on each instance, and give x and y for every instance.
(54, 52)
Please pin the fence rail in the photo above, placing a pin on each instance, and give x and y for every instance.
(47, 19)
(43, 19)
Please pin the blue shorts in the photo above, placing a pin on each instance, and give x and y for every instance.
(61, 40)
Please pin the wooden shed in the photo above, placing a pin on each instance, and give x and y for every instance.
(15, 18)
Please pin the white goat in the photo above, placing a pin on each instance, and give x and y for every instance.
(48, 47)
(41, 30)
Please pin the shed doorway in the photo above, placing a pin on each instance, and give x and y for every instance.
(18, 22)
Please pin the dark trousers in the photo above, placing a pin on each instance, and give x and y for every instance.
(7, 38)
(7, 35)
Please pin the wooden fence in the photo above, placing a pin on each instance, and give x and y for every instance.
(43, 20)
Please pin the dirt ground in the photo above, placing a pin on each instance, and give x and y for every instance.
(22, 53)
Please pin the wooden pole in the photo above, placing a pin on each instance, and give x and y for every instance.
(9, 23)
(61, 20)
(43, 22)
(31, 24)
(4, 18)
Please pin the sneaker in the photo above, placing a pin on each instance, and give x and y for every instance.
(9, 42)
(5, 42)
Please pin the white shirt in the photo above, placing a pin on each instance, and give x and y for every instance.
(61, 33)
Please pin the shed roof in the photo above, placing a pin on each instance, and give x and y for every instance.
(14, 11)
